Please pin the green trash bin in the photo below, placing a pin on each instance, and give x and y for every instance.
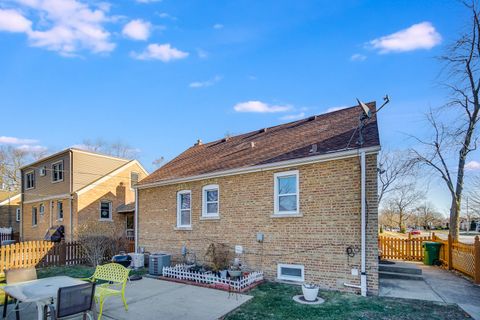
(431, 252)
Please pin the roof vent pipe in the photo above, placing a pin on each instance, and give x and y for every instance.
(199, 142)
(252, 144)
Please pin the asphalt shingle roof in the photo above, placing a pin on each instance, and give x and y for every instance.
(330, 132)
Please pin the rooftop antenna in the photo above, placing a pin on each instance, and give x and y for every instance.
(366, 115)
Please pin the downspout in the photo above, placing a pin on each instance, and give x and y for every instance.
(135, 220)
(71, 195)
(363, 274)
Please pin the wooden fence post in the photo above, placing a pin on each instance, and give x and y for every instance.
(476, 259)
(409, 246)
(62, 253)
(449, 252)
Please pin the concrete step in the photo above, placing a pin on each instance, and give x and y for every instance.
(403, 276)
(397, 268)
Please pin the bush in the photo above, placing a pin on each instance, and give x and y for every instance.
(218, 256)
(100, 241)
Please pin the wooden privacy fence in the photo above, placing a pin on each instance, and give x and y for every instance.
(41, 254)
(402, 249)
(454, 255)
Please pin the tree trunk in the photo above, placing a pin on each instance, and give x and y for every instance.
(454, 219)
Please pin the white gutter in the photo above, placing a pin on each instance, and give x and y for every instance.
(135, 220)
(363, 274)
(270, 166)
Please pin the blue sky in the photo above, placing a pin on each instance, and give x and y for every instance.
(160, 74)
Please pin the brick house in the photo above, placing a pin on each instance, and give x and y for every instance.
(289, 195)
(10, 210)
(75, 187)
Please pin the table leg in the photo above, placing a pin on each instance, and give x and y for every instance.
(17, 310)
(5, 306)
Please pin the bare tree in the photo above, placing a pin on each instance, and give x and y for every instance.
(426, 216)
(402, 203)
(11, 160)
(454, 135)
(117, 149)
(393, 168)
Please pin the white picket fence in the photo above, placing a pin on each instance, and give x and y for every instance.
(182, 272)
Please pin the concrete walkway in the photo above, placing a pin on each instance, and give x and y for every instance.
(438, 285)
(150, 299)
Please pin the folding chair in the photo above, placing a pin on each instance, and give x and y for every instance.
(73, 301)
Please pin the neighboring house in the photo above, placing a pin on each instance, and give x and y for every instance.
(289, 195)
(10, 210)
(75, 187)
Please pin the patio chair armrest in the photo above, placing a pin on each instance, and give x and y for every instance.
(53, 314)
(90, 279)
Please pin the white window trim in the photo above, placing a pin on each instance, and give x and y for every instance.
(58, 211)
(110, 213)
(289, 278)
(26, 179)
(18, 215)
(276, 195)
(179, 205)
(42, 172)
(204, 201)
(53, 171)
(36, 218)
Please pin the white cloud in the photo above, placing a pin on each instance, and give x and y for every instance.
(137, 29)
(31, 148)
(64, 26)
(147, 1)
(332, 109)
(358, 57)
(260, 107)
(418, 36)
(165, 15)
(218, 26)
(293, 116)
(163, 52)
(472, 165)
(207, 83)
(14, 140)
(13, 21)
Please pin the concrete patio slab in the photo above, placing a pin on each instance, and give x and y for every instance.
(438, 285)
(158, 299)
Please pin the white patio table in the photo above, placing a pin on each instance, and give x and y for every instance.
(40, 291)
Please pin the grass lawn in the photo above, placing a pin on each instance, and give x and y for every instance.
(274, 301)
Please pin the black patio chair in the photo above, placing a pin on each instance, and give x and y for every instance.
(74, 300)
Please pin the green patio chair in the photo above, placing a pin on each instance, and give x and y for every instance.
(110, 279)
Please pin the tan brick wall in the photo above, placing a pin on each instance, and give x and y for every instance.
(329, 202)
(46, 220)
(117, 190)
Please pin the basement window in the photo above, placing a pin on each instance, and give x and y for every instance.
(291, 272)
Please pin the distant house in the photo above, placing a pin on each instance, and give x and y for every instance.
(10, 210)
(75, 187)
(287, 199)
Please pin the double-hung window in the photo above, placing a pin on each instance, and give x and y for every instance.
(210, 205)
(59, 210)
(57, 171)
(105, 210)
(17, 215)
(286, 193)
(34, 216)
(41, 208)
(184, 209)
(29, 180)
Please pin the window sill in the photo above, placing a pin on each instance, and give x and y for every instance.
(35, 226)
(107, 220)
(287, 215)
(57, 181)
(209, 218)
(59, 220)
(182, 228)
